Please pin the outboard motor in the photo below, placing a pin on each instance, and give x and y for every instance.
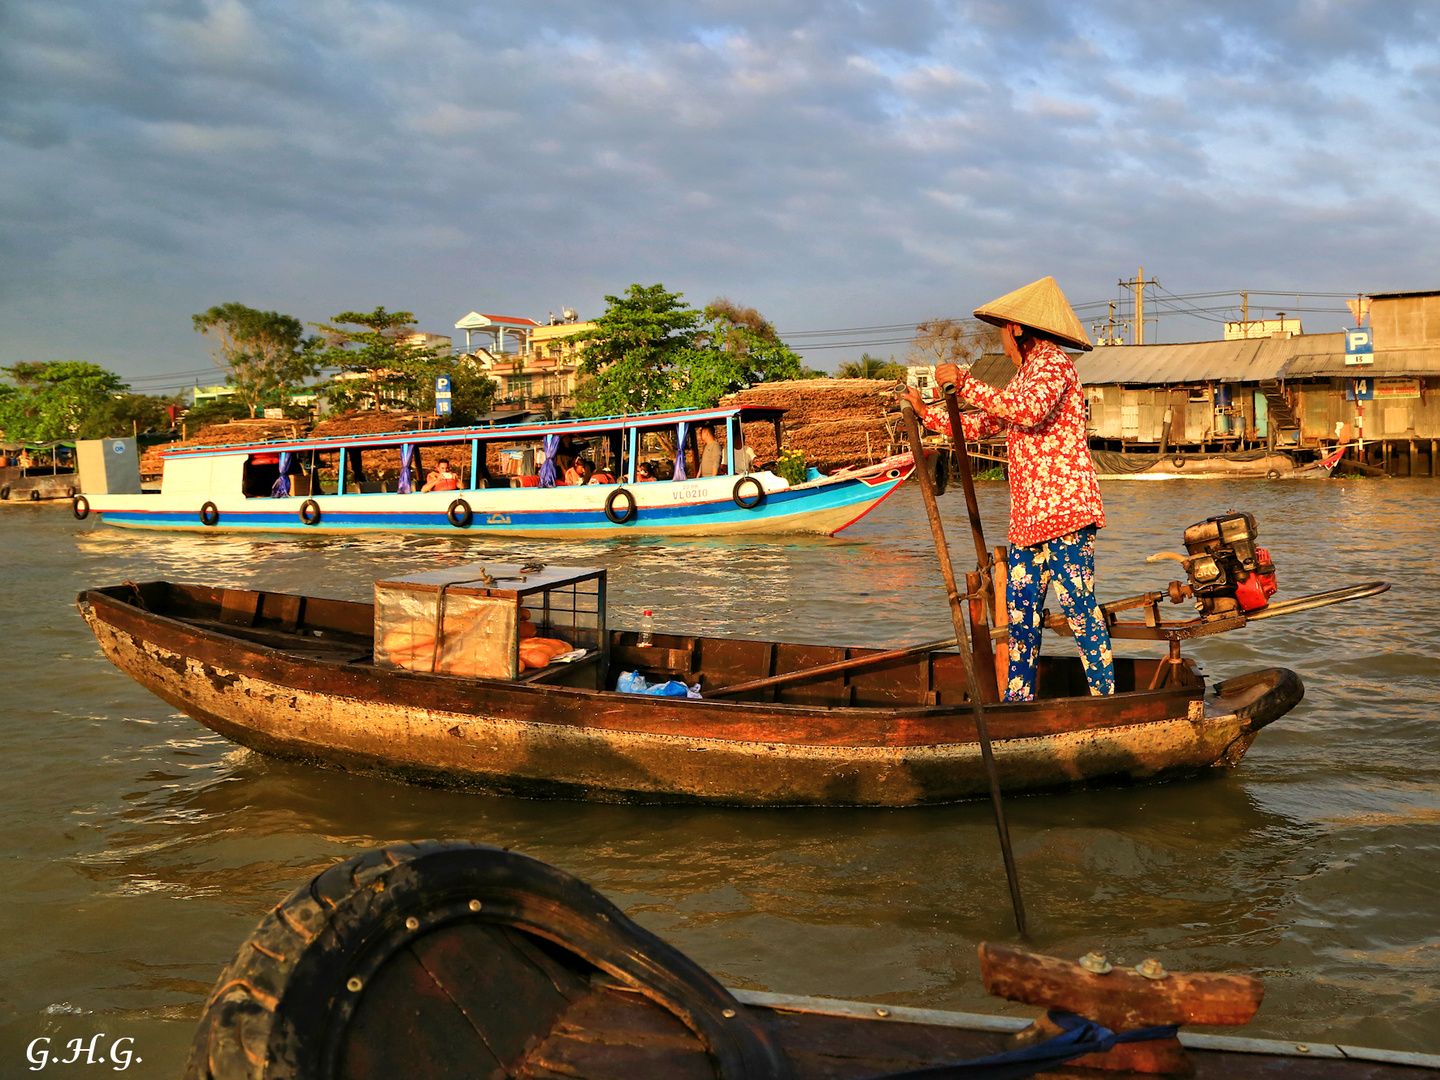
(1229, 574)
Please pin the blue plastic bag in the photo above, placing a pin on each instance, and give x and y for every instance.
(632, 682)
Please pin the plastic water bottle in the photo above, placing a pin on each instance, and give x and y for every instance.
(647, 630)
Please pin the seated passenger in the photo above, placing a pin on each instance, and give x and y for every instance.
(442, 479)
(644, 473)
(579, 472)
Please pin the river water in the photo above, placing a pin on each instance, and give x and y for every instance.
(139, 849)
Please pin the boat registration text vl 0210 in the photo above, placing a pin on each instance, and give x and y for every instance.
(688, 494)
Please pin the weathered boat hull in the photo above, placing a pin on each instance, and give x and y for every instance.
(1273, 466)
(568, 742)
(20, 485)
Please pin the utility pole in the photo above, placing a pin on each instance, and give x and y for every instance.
(1137, 286)
(1140, 306)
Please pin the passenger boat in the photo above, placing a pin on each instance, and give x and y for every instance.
(776, 724)
(336, 485)
(435, 960)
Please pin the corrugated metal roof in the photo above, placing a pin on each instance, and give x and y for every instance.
(1243, 360)
(1425, 361)
(997, 369)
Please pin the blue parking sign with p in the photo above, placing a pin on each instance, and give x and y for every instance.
(1359, 347)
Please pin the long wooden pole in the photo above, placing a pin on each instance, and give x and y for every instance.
(962, 457)
(967, 658)
(806, 674)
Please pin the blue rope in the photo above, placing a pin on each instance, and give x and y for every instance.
(1078, 1037)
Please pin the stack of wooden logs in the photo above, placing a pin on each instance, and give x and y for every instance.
(834, 422)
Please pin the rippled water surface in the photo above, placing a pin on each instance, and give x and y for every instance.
(140, 849)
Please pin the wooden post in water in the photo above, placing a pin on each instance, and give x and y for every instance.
(967, 657)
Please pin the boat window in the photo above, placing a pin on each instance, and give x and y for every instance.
(320, 471)
(657, 449)
(428, 461)
(259, 475)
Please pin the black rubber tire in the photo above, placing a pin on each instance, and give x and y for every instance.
(1285, 692)
(283, 1007)
(755, 501)
(4, 492)
(1273, 474)
(1178, 461)
(80, 507)
(34, 494)
(310, 512)
(209, 514)
(460, 515)
(630, 511)
(69, 492)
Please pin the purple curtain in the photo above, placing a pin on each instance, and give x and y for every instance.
(406, 483)
(680, 450)
(547, 467)
(281, 488)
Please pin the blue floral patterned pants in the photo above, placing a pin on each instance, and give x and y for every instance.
(1069, 562)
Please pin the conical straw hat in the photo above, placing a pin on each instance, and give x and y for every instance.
(1041, 306)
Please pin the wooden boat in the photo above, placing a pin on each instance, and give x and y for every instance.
(295, 677)
(38, 482)
(331, 486)
(440, 960)
(1249, 465)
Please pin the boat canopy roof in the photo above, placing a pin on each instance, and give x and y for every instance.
(61, 444)
(499, 433)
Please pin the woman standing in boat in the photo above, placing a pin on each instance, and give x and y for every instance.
(1055, 507)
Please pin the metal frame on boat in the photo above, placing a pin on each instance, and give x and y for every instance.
(229, 488)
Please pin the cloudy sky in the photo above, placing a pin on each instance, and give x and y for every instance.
(835, 164)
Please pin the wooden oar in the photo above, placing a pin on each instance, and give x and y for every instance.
(962, 457)
(967, 658)
(806, 674)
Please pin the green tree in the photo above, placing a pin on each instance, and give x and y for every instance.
(383, 347)
(264, 354)
(50, 401)
(871, 367)
(652, 351)
(742, 349)
(638, 351)
(215, 411)
(125, 414)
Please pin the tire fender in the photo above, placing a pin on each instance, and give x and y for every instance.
(751, 502)
(310, 513)
(80, 507)
(629, 512)
(209, 514)
(460, 515)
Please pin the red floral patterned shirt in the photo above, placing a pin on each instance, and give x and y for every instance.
(1053, 490)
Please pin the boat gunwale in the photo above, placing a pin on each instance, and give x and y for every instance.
(1192, 1040)
(998, 712)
